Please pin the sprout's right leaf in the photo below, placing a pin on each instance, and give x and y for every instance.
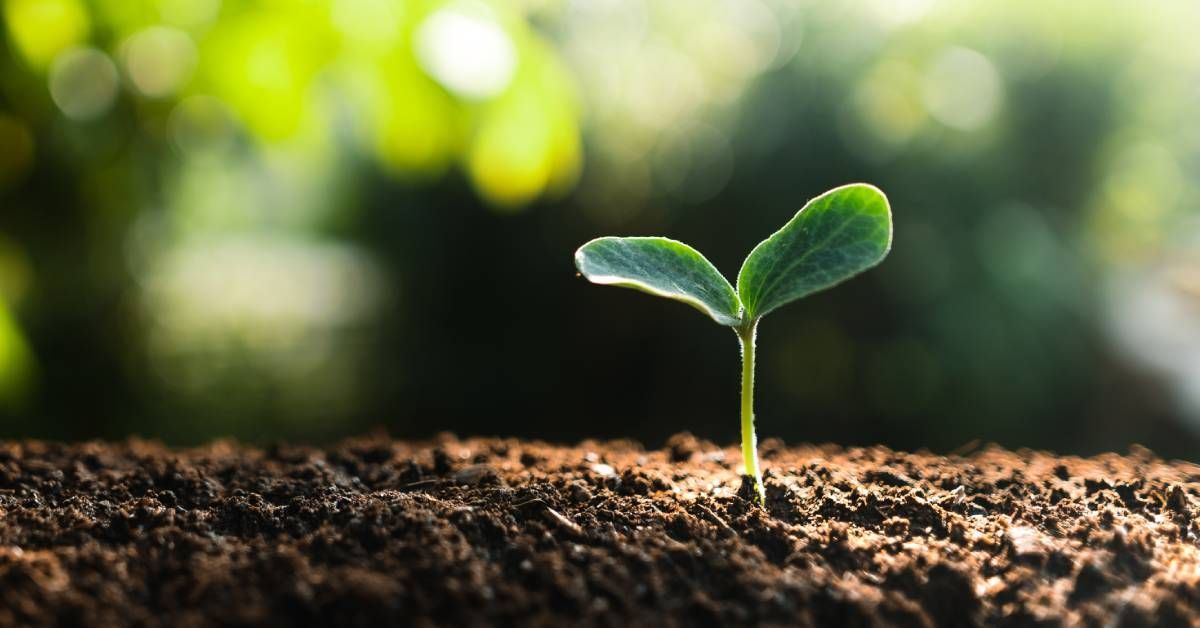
(832, 238)
(662, 267)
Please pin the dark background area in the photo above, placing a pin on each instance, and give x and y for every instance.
(274, 221)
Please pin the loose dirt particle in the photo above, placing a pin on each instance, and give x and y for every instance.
(479, 531)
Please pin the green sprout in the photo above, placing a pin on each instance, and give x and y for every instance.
(833, 237)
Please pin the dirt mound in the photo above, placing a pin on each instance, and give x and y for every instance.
(487, 531)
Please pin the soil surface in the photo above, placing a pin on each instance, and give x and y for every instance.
(504, 532)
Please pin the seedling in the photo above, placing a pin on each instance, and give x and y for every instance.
(833, 237)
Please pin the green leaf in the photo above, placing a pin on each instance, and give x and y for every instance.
(832, 238)
(662, 267)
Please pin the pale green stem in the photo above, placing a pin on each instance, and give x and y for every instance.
(746, 334)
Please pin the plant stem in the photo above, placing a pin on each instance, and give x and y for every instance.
(746, 334)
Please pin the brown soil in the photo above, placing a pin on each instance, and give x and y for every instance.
(505, 532)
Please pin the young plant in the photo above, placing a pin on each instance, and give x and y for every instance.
(833, 237)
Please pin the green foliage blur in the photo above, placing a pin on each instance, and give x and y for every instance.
(302, 219)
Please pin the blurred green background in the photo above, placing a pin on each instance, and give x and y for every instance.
(299, 219)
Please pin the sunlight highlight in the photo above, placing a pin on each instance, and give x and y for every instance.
(464, 49)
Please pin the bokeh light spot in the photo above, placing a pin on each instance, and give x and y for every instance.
(465, 50)
(265, 65)
(41, 29)
(508, 159)
(741, 40)
(159, 60)
(962, 89)
(409, 123)
(888, 104)
(83, 83)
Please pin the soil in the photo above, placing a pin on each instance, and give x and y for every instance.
(504, 532)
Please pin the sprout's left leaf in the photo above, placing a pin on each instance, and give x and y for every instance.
(662, 267)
